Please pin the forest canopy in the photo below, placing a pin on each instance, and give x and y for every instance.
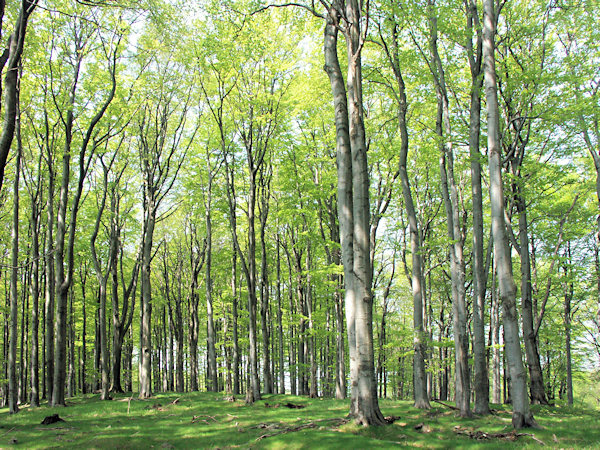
(381, 199)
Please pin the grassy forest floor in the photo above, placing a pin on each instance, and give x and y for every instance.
(206, 420)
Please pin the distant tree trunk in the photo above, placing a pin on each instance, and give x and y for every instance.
(236, 345)
(197, 256)
(49, 280)
(280, 320)
(522, 415)
(210, 338)
(14, 299)
(102, 278)
(568, 317)
(264, 180)
(83, 358)
(160, 165)
(36, 198)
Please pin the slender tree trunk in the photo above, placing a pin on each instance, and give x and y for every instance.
(522, 415)
(145, 372)
(35, 294)
(49, 285)
(568, 317)
(280, 322)
(14, 300)
(236, 346)
(450, 196)
(419, 378)
(212, 354)
(481, 380)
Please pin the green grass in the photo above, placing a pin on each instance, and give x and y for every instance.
(206, 420)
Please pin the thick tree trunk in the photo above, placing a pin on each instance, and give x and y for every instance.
(353, 168)
(522, 415)
(344, 172)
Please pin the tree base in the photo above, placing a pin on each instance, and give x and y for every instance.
(521, 421)
(422, 404)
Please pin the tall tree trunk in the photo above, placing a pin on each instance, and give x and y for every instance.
(236, 345)
(14, 300)
(35, 289)
(280, 320)
(480, 368)
(419, 378)
(522, 415)
(15, 46)
(353, 183)
(145, 368)
(210, 339)
(49, 288)
(450, 197)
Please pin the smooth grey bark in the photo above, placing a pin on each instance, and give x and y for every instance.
(197, 258)
(122, 311)
(495, 334)
(569, 289)
(421, 397)
(64, 276)
(344, 186)
(161, 155)
(213, 384)
(102, 277)
(522, 415)
(353, 182)
(234, 313)
(14, 293)
(49, 288)
(265, 176)
(249, 270)
(280, 318)
(35, 223)
(480, 366)
(11, 64)
(452, 207)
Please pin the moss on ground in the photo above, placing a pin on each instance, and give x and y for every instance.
(208, 420)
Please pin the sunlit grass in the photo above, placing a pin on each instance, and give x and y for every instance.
(207, 420)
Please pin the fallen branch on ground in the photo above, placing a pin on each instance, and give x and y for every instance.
(483, 436)
(304, 426)
(447, 405)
